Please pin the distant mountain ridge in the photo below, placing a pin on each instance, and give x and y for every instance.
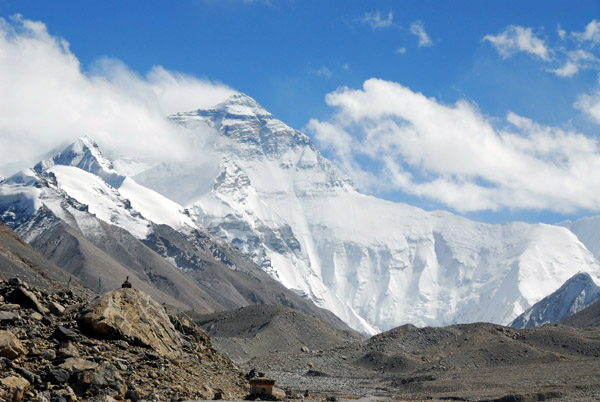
(573, 296)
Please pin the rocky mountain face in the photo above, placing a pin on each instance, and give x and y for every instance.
(19, 259)
(125, 347)
(103, 234)
(588, 317)
(573, 296)
(375, 264)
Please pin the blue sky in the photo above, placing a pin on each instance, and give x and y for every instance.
(474, 61)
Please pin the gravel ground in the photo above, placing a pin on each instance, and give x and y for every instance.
(474, 362)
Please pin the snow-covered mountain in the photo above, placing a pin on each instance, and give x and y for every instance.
(376, 264)
(264, 188)
(573, 296)
(97, 224)
(587, 231)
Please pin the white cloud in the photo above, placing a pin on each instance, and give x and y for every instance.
(591, 32)
(562, 34)
(456, 155)
(378, 20)
(576, 60)
(573, 52)
(322, 72)
(589, 104)
(401, 50)
(418, 29)
(516, 39)
(569, 69)
(47, 99)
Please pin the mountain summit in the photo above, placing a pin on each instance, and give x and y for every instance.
(374, 263)
(85, 154)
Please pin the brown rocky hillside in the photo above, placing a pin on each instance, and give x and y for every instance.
(57, 345)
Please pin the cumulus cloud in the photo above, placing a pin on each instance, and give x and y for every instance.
(378, 20)
(456, 155)
(572, 53)
(418, 29)
(48, 99)
(516, 39)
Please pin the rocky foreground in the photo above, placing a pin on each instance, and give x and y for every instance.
(69, 346)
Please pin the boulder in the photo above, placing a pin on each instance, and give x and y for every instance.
(57, 376)
(26, 374)
(67, 394)
(56, 308)
(10, 307)
(278, 394)
(15, 282)
(36, 316)
(15, 387)
(133, 316)
(76, 364)
(49, 354)
(105, 379)
(66, 350)
(10, 346)
(26, 299)
(102, 398)
(63, 334)
(8, 316)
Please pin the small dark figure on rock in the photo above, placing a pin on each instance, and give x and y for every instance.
(126, 284)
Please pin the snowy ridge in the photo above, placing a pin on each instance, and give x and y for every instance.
(573, 296)
(587, 231)
(26, 193)
(84, 154)
(77, 182)
(375, 264)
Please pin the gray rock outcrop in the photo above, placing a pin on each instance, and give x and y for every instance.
(133, 316)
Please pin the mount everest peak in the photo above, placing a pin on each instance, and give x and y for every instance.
(265, 189)
(374, 263)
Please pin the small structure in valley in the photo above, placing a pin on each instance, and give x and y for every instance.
(261, 386)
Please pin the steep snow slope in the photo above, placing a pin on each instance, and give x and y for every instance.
(374, 263)
(587, 230)
(573, 296)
